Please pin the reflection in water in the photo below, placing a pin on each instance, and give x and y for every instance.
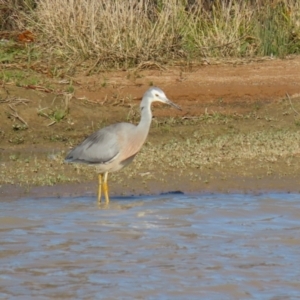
(169, 247)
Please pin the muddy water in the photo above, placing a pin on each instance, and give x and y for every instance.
(173, 246)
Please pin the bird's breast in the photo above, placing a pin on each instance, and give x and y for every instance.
(131, 145)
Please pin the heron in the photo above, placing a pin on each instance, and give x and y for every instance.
(114, 147)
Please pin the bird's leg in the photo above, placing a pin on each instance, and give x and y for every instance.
(105, 187)
(99, 187)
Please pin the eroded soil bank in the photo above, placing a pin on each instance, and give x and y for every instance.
(238, 130)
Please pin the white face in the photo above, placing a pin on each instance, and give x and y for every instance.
(159, 95)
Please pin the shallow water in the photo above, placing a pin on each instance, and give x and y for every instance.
(172, 246)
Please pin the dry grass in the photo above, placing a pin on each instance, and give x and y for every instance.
(116, 32)
(126, 33)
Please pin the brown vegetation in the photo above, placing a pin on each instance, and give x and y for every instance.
(103, 34)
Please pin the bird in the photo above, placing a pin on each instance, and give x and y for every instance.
(115, 146)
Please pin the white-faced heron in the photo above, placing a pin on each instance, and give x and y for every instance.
(115, 146)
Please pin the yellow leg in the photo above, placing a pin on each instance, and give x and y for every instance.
(105, 187)
(99, 187)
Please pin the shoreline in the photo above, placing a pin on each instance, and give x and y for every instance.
(238, 131)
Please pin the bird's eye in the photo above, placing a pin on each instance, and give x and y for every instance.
(156, 95)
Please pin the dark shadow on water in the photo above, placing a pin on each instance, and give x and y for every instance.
(146, 196)
(112, 198)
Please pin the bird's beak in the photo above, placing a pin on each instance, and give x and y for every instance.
(173, 104)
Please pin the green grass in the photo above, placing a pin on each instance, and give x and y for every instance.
(275, 31)
(57, 112)
(19, 77)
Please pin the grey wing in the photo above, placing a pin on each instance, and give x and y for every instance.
(99, 148)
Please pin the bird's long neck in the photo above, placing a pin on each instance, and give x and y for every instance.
(146, 117)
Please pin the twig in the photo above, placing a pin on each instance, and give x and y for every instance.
(52, 123)
(105, 100)
(190, 118)
(149, 65)
(15, 100)
(67, 100)
(38, 88)
(292, 106)
(224, 45)
(88, 100)
(16, 115)
(88, 72)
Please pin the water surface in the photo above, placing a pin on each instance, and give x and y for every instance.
(173, 246)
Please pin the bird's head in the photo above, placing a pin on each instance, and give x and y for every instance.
(156, 94)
